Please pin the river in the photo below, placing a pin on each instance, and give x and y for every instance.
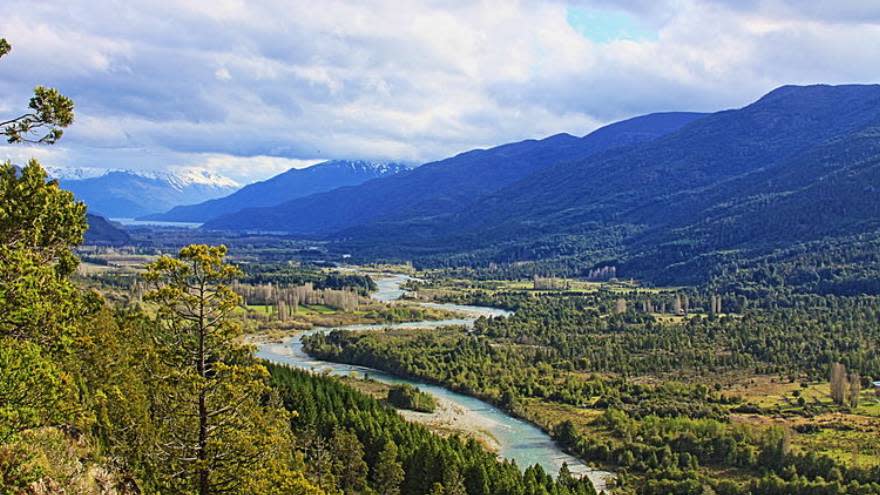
(518, 440)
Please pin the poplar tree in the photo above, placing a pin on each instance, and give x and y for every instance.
(855, 389)
(839, 384)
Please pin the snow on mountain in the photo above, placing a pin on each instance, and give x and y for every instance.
(116, 193)
(78, 173)
(286, 186)
(179, 178)
(190, 176)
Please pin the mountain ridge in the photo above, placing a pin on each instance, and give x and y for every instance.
(130, 194)
(779, 171)
(288, 185)
(441, 187)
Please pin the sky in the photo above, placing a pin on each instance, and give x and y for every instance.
(248, 89)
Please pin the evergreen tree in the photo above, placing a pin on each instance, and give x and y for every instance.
(39, 225)
(388, 473)
(48, 111)
(350, 468)
(214, 424)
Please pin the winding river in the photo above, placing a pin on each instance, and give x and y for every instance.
(517, 439)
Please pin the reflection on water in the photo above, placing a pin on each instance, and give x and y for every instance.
(519, 440)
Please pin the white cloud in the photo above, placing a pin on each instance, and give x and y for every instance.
(222, 74)
(251, 87)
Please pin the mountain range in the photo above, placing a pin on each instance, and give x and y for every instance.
(445, 186)
(295, 183)
(660, 196)
(131, 194)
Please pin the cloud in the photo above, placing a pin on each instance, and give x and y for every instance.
(251, 87)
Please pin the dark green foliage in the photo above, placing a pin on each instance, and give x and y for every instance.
(285, 275)
(574, 332)
(408, 397)
(667, 432)
(325, 405)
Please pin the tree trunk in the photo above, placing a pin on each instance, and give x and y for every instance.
(203, 407)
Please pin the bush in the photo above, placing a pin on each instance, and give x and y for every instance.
(409, 397)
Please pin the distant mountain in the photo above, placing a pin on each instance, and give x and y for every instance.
(295, 183)
(788, 184)
(103, 232)
(130, 194)
(444, 187)
(800, 165)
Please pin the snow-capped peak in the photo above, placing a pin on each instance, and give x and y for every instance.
(78, 173)
(192, 176)
(179, 178)
(381, 167)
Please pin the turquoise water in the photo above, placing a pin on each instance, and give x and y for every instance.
(519, 440)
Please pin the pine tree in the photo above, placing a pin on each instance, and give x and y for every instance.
(454, 483)
(320, 462)
(213, 424)
(39, 225)
(48, 110)
(349, 467)
(388, 472)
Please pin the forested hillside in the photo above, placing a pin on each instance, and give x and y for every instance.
(355, 444)
(666, 198)
(102, 232)
(800, 165)
(445, 186)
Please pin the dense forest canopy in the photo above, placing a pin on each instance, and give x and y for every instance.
(619, 357)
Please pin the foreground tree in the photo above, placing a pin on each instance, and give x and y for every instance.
(218, 422)
(49, 112)
(39, 225)
(32, 390)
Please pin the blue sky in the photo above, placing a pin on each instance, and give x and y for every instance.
(250, 88)
(606, 25)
